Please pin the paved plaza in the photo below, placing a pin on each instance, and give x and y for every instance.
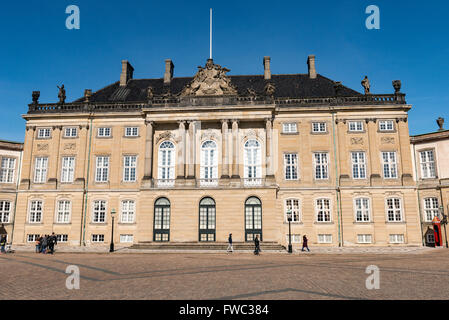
(419, 273)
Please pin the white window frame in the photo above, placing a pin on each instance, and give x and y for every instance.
(386, 125)
(296, 238)
(40, 169)
(320, 207)
(62, 238)
(70, 132)
(290, 127)
(128, 211)
(289, 204)
(395, 209)
(35, 215)
(104, 132)
(291, 166)
(431, 208)
(32, 238)
(131, 131)
(209, 160)
(97, 238)
(5, 211)
(355, 126)
(389, 165)
(7, 170)
(130, 168)
(319, 127)
(321, 162)
(365, 238)
(358, 160)
(126, 238)
(68, 169)
(397, 238)
(99, 214)
(325, 238)
(364, 208)
(64, 212)
(167, 160)
(102, 168)
(428, 170)
(253, 159)
(43, 133)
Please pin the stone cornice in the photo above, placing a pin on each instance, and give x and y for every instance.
(427, 137)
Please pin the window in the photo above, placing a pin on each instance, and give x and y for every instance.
(35, 215)
(131, 132)
(355, 126)
(63, 213)
(394, 210)
(7, 170)
(323, 210)
(362, 210)
(99, 214)
(128, 211)
(430, 238)
(5, 211)
(293, 206)
(396, 238)
(427, 164)
(70, 132)
(209, 160)
(98, 238)
(44, 133)
(253, 160)
(161, 225)
(389, 165)
(318, 127)
(386, 125)
(321, 165)
(430, 208)
(40, 170)
(68, 169)
(296, 238)
(104, 132)
(358, 165)
(166, 161)
(129, 168)
(364, 238)
(126, 238)
(62, 237)
(102, 170)
(32, 237)
(291, 166)
(324, 238)
(289, 127)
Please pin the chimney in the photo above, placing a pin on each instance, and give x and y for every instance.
(127, 73)
(266, 66)
(311, 64)
(168, 75)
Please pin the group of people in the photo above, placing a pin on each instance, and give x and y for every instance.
(46, 243)
(257, 244)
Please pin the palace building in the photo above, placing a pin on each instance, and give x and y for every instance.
(192, 159)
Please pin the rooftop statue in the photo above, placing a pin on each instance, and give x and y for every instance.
(366, 85)
(61, 94)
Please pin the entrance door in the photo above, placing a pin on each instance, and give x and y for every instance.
(161, 226)
(253, 219)
(207, 220)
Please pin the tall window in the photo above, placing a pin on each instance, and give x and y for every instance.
(430, 208)
(63, 214)
(99, 214)
(394, 209)
(323, 210)
(68, 169)
(389, 165)
(40, 170)
(321, 165)
(358, 165)
(167, 161)
(5, 211)
(102, 169)
(129, 168)
(128, 211)
(427, 164)
(35, 215)
(291, 166)
(7, 170)
(293, 206)
(362, 211)
(209, 160)
(253, 159)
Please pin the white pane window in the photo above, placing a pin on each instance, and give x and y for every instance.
(126, 238)
(98, 238)
(99, 213)
(7, 170)
(35, 215)
(396, 238)
(321, 165)
(362, 210)
(358, 165)
(291, 166)
(68, 169)
(389, 165)
(62, 237)
(40, 170)
(131, 132)
(386, 125)
(427, 164)
(209, 160)
(323, 210)
(5, 211)
(104, 132)
(324, 238)
(296, 238)
(394, 209)
(253, 159)
(289, 127)
(166, 159)
(44, 133)
(128, 211)
(32, 237)
(355, 126)
(364, 238)
(70, 132)
(430, 208)
(63, 214)
(293, 206)
(319, 127)
(102, 169)
(129, 168)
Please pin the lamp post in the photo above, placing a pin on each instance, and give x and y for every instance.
(444, 223)
(111, 248)
(289, 218)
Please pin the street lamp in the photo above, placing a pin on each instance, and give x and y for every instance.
(111, 248)
(444, 223)
(289, 218)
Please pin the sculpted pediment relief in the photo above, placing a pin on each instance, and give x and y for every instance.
(209, 135)
(167, 135)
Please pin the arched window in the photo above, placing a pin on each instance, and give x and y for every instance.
(161, 226)
(207, 219)
(253, 219)
(166, 161)
(209, 161)
(253, 160)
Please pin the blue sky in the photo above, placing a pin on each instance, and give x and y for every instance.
(39, 53)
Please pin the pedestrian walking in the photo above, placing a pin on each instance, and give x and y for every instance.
(230, 248)
(304, 243)
(44, 244)
(52, 241)
(38, 243)
(3, 243)
(257, 245)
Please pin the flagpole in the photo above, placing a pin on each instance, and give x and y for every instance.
(210, 40)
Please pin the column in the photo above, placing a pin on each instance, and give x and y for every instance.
(224, 150)
(181, 150)
(148, 169)
(235, 149)
(268, 147)
(27, 161)
(80, 161)
(374, 151)
(54, 158)
(405, 152)
(192, 149)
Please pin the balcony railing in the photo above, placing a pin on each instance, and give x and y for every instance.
(208, 182)
(252, 182)
(163, 183)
